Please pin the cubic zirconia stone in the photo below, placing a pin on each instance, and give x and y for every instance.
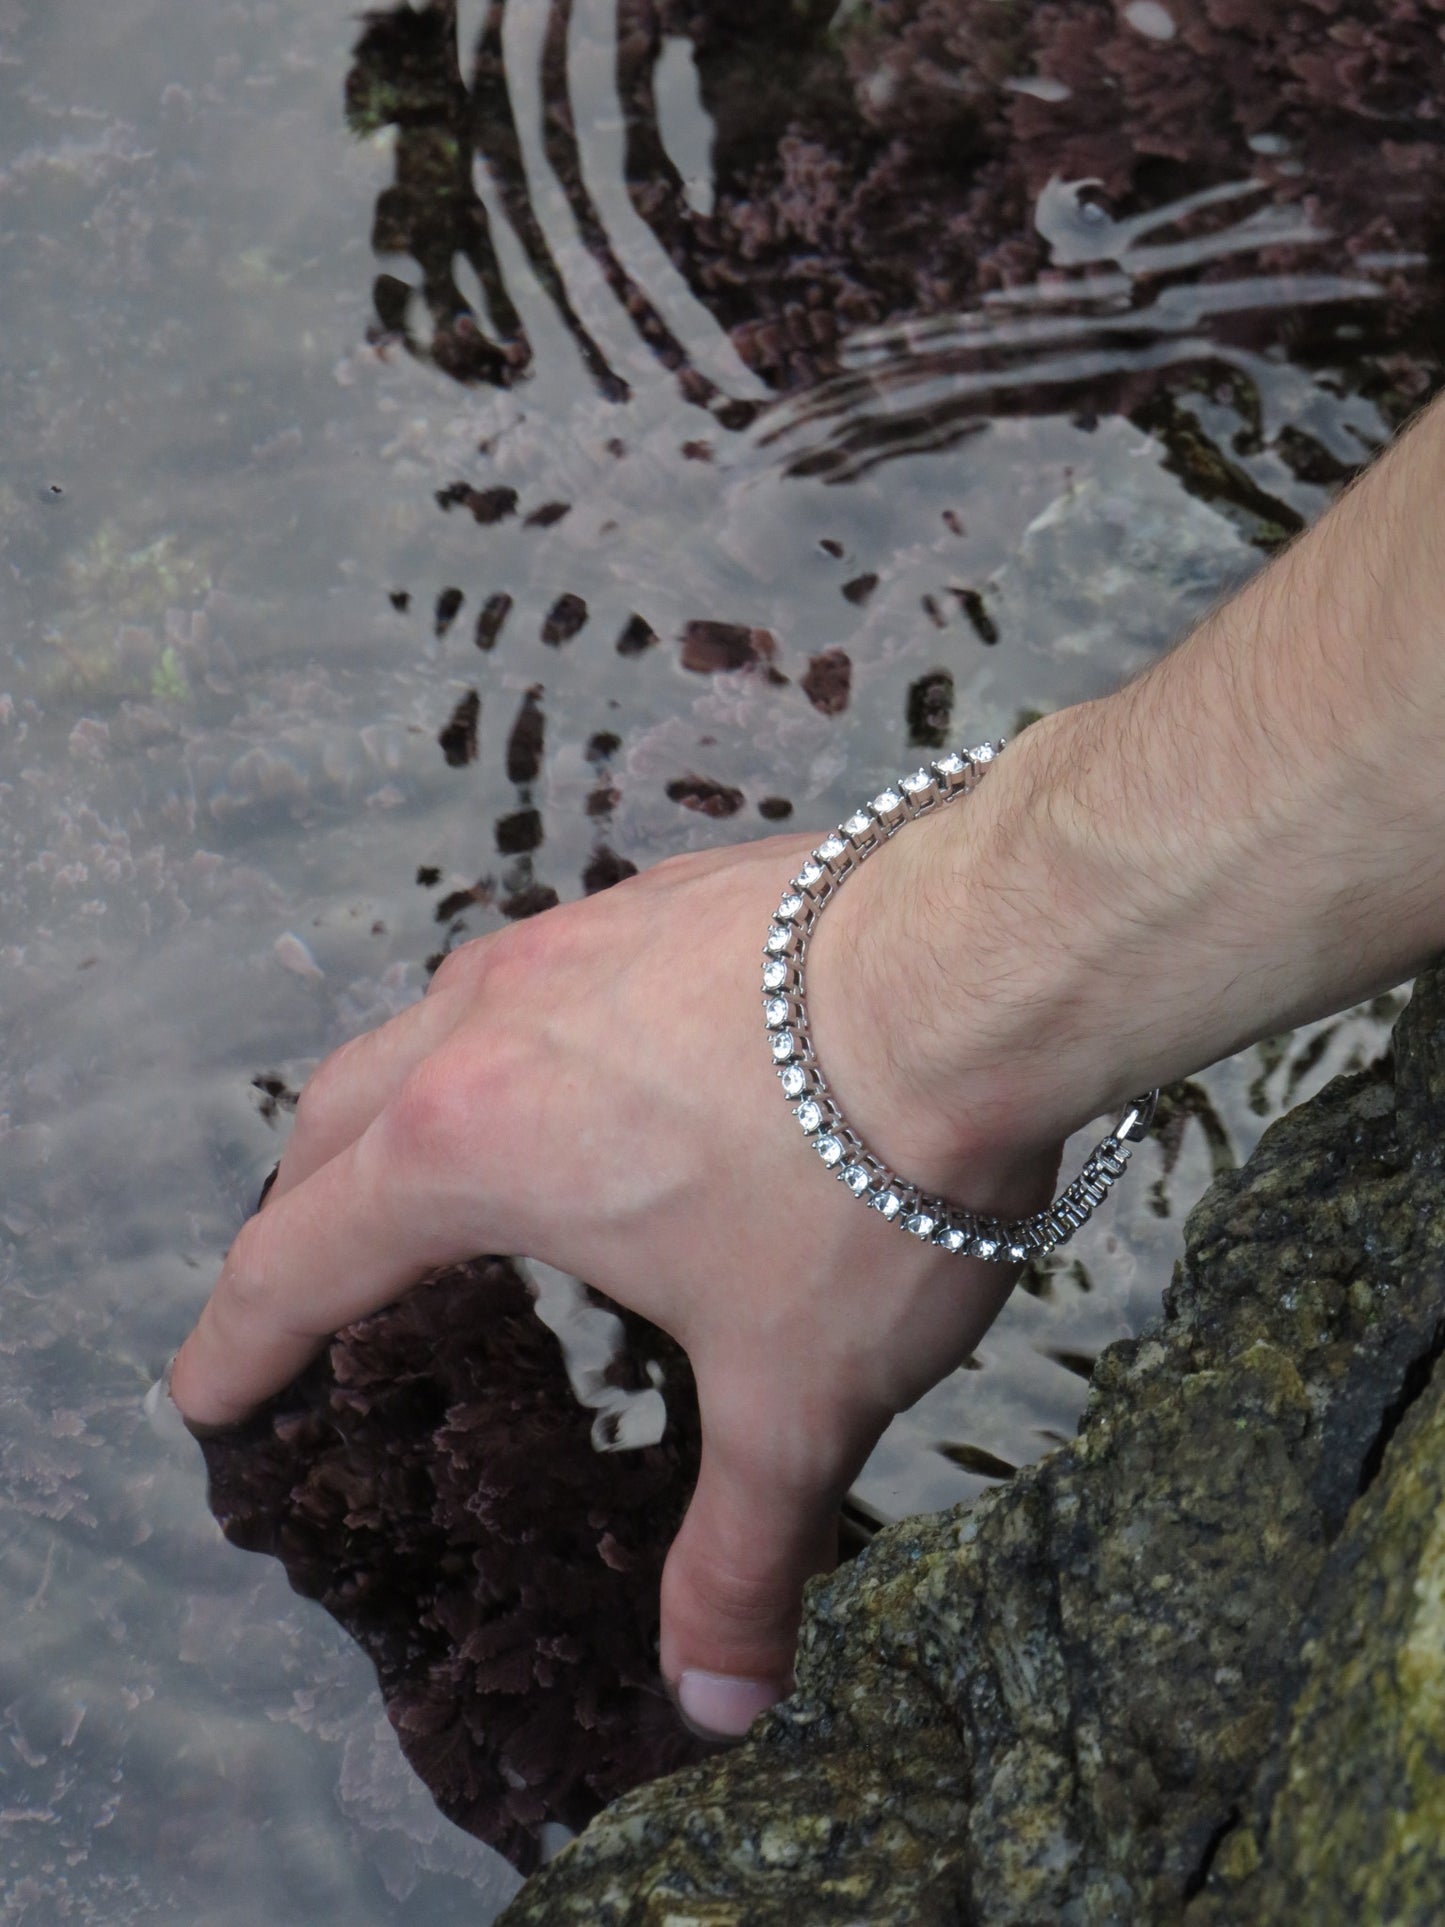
(950, 765)
(984, 753)
(919, 780)
(775, 1012)
(775, 974)
(829, 1150)
(784, 1044)
(830, 849)
(858, 824)
(1018, 1253)
(887, 800)
(808, 1114)
(985, 1247)
(951, 1238)
(887, 1204)
(920, 1224)
(779, 937)
(788, 908)
(810, 874)
(856, 1179)
(795, 1080)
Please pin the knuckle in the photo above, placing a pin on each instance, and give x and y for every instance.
(755, 1601)
(321, 1093)
(536, 945)
(459, 969)
(429, 1121)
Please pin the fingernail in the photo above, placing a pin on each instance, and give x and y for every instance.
(718, 1706)
(162, 1388)
(161, 1410)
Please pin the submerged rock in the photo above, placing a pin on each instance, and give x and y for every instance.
(920, 157)
(1188, 1668)
(432, 1481)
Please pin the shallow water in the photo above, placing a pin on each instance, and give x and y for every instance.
(233, 503)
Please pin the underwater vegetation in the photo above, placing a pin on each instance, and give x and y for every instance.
(916, 158)
(433, 1482)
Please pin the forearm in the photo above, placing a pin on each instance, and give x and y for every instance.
(1250, 835)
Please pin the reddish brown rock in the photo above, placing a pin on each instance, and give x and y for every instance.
(829, 681)
(708, 798)
(431, 1480)
(709, 647)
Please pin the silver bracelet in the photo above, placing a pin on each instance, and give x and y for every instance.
(842, 1151)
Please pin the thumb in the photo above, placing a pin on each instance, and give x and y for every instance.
(762, 1521)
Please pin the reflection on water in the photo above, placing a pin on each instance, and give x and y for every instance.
(453, 461)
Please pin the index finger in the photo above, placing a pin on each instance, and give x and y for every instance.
(354, 1235)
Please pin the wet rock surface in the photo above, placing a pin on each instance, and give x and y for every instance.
(434, 1483)
(1189, 1667)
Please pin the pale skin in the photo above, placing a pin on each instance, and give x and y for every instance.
(1249, 836)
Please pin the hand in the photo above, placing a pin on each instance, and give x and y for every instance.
(593, 1089)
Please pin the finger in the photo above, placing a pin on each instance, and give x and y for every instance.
(347, 1092)
(373, 1221)
(757, 1529)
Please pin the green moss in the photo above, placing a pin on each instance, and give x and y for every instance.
(168, 679)
(1352, 1822)
(373, 101)
(131, 583)
(108, 583)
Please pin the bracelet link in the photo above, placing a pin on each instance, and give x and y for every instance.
(954, 773)
(890, 809)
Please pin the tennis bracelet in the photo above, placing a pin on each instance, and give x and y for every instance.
(785, 1012)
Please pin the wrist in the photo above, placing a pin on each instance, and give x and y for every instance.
(1027, 961)
(947, 996)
